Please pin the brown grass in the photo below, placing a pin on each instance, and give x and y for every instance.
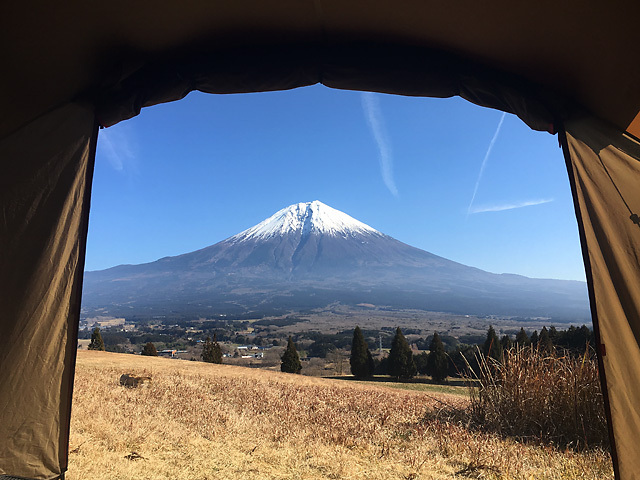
(541, 397)
(204, 421)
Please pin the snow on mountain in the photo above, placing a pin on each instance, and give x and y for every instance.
(306, 218)
(309, 255)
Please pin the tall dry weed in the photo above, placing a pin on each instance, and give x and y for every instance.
(544, 397)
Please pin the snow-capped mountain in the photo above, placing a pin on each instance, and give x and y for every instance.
(309, 255)
(306, 219)
(306, 240)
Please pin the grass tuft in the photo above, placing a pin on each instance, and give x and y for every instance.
(540, 397)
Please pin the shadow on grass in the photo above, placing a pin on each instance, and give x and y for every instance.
(453, 382)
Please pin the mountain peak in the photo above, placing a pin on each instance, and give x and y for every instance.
(306, 218)
(310, 255)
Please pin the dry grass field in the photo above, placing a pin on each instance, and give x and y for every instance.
(202, 421)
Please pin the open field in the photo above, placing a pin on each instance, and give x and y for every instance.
(204, 421)
(337, 317)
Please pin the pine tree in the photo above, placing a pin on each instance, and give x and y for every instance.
(96, 340)
(290, 359)
(553, 334)
(422, 362)
(371, 363)
(360, 355)
(588, 336)
(437, 362)
(208, 351)
(534, 339)
(506, 343)
(217, 350)
(544, 342)
(492, 346)
(522, 338)
(150, 350)
(401, 363)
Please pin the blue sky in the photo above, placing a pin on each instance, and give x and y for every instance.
(464, 182)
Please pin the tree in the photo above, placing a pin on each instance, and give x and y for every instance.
(492, 346)
(290, 359)
(150, 350)
(506, 343)
(381, 366)
(587, 335)
(421, 363)
(534, 338)
(217, 350)
(437, 362)
(371, 363)
(522, 338)
(207, 350)
(361, 358)
(336, 357)
(401, 363)
(96, 340)
(211, 352)
(544, 342)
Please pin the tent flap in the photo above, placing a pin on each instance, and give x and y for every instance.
(384, 68)
(44, 200)
(605, 168)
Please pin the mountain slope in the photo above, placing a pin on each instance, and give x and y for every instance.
(308, 255)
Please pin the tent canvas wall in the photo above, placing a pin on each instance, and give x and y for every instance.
(569, 67)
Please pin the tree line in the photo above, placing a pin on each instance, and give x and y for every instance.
(401, 363)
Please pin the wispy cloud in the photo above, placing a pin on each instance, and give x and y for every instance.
(371, 107)
(116, 145)
(484, 162)
(508, 206)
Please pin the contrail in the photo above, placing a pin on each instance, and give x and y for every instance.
(509, 206)
(484, 161)
(371, 108)
(115, 145)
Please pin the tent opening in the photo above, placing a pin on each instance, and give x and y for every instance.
(473, 185)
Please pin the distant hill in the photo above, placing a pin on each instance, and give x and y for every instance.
(309, 255)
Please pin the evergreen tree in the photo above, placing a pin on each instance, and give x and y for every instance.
(506, 343)
(150, 350)
(382, 366)
(572, 339)
(371, 363)
(534, 339)
(290, 359)
(217, 350)
(588, 337)
(401, 363)
(96, 340)
(544, 342)
(522, 338)
(209, 352)
(421, 363)
(437, 362)
(492, 346)
(360, 355)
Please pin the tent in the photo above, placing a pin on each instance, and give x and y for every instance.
(567, 67)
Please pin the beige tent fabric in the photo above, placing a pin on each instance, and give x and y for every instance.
(368, 66)
(44, 200)
(605, 166)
